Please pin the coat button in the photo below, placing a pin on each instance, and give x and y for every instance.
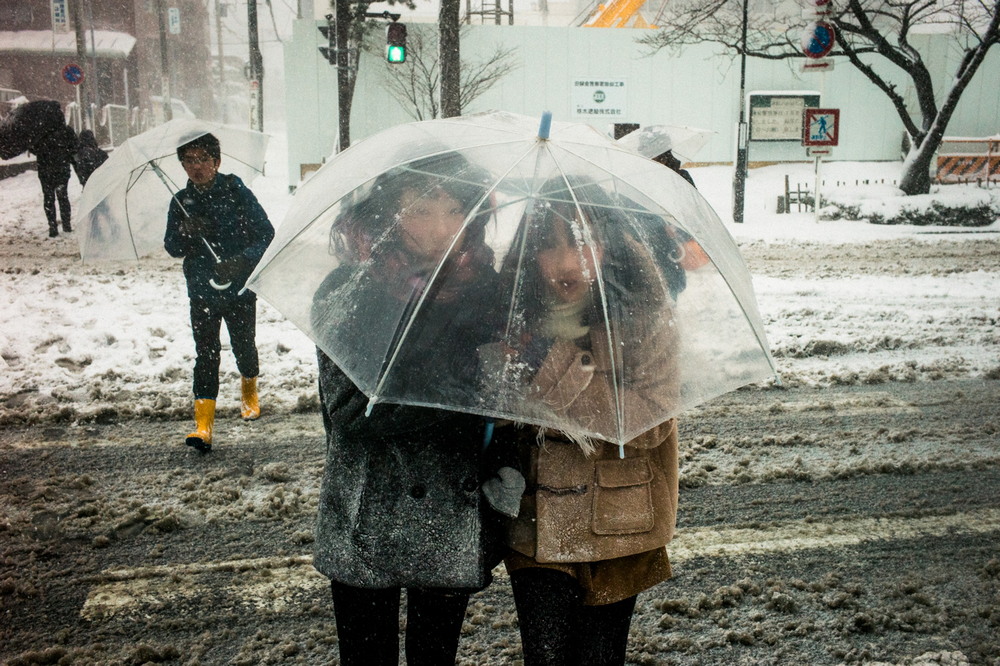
(470, 485)
(418, 492)
(585, 359)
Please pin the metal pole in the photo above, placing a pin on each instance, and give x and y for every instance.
(742, 138)
(168, 112)
(222, 61)
(83, 87)
(256, 71)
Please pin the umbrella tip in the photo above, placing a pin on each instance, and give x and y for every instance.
(545, 125)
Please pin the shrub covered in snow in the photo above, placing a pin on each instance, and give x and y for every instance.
(948, 206)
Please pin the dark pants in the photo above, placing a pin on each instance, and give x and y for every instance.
(558, 630)
(55, 182)
(368, 625)
(240, 315)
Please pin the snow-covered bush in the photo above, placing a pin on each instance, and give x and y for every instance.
(950, 206)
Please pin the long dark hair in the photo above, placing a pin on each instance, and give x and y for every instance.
(585, 210)
(372, 217)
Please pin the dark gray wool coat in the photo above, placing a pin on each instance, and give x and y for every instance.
(400, 502)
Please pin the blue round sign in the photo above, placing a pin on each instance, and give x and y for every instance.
(818, 39)
(73, 74)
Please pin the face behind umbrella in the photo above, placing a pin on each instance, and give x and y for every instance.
(616, 211)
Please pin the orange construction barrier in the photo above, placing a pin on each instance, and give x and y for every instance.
(964, 159)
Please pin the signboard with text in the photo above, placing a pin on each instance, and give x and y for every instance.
(598, 98)
(777, 116)
(60, 15)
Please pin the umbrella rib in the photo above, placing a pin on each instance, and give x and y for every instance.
(599, 278)
(437, 270)
(757, 335)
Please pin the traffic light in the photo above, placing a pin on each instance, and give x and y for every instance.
(395, 43)
(329, 31)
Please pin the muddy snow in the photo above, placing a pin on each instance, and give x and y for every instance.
(848, 516)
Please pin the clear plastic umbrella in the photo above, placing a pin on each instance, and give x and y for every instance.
(653, 140)
(122, 213)
(649, 340)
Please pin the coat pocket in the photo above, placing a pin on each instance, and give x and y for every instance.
(623, 497)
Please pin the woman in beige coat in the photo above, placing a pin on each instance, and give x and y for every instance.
(595, 517)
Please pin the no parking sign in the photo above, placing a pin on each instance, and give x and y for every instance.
(818, 39)
(73, 74)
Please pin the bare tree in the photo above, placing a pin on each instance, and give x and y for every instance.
(875, 37)
(416, 85)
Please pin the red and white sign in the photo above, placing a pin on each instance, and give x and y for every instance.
(818, 39)
(820, 127)
(73, 74)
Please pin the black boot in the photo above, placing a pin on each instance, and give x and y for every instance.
(53, 230)
(66, 226)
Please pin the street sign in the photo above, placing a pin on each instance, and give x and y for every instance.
(818, 39)
(820, 127)
(817, 65)
(174, 20)
(73, 74)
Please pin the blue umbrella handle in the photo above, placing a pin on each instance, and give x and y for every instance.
(545, 126)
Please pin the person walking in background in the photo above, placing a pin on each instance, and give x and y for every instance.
(220, 229)
(401, 504)
(88, 156)
(595, 517)
(53, 155)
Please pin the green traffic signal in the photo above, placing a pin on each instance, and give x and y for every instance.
(395, 54)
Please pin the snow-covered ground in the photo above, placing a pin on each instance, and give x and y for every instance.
(80, 342)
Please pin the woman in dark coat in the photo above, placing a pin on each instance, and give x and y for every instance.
(88, 156)
(401, 504)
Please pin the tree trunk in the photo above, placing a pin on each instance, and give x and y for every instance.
(449, 57)
(916, 178)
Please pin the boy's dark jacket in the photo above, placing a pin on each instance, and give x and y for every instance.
(237, 228)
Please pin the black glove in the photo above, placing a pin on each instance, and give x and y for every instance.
(194, 226)
(229, 269)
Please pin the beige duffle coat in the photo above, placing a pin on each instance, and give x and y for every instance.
(599, 516)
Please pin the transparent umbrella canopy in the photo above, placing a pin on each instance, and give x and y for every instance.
(661, 339)
(652, 140)
(122, 213)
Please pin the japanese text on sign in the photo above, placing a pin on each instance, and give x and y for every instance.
(60, 16)
(778, 117)
(599, 98)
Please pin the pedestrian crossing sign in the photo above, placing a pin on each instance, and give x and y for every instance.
(820, 127)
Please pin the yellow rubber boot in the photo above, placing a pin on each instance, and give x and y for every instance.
(250, 405)
(204, 419)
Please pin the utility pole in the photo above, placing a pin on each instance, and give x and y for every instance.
(256, 71)
(742, 135)
(345, 80)
(222, 59)
(83, 88)
(168, 111)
